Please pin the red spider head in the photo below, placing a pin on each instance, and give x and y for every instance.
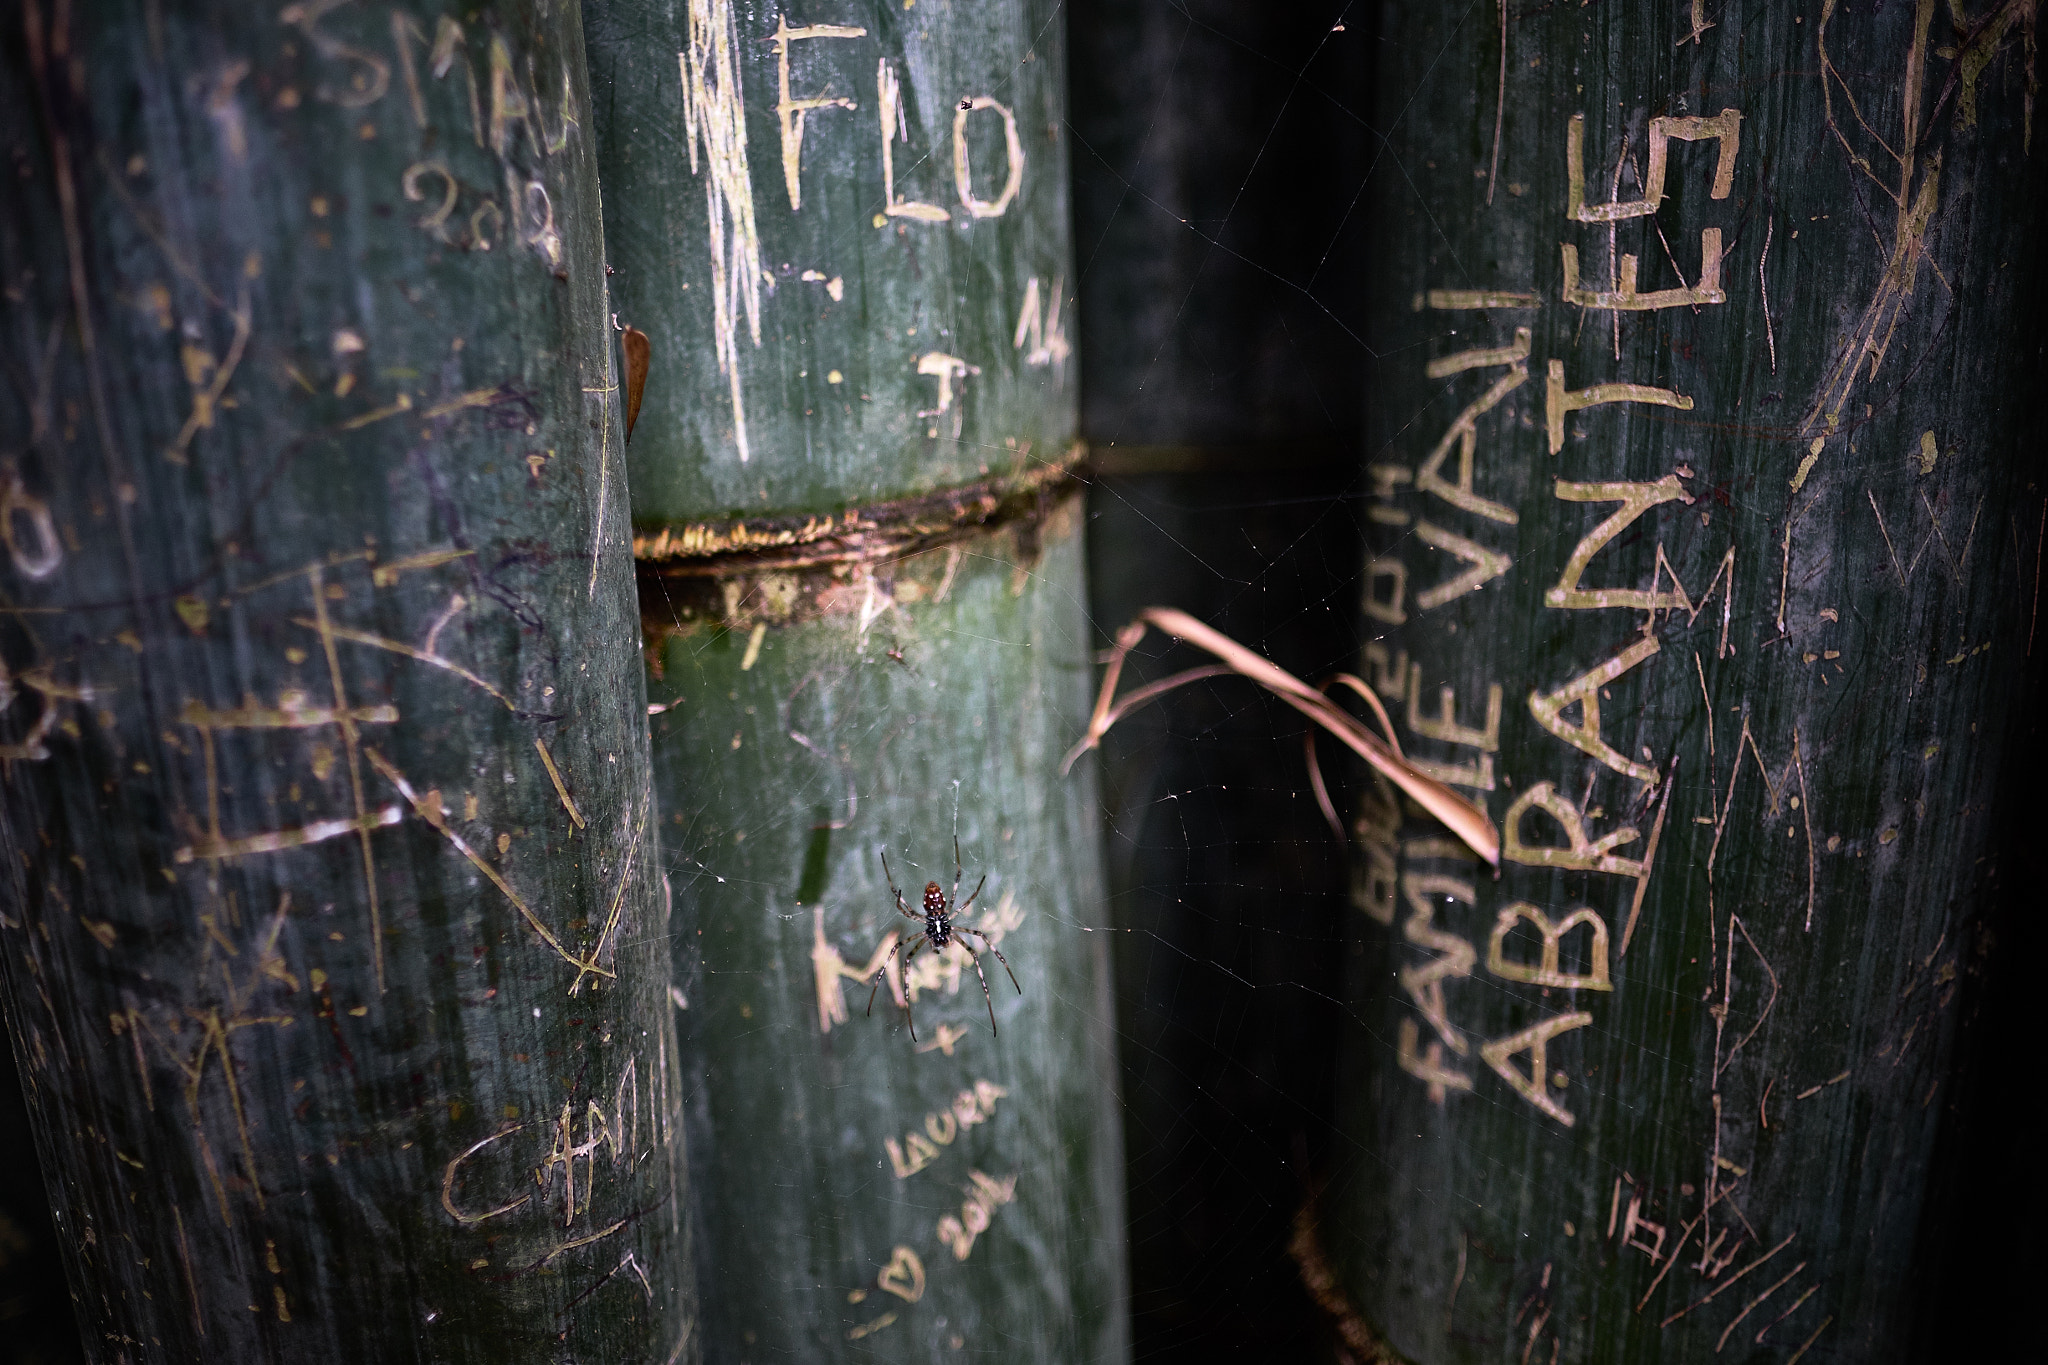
(934, 899)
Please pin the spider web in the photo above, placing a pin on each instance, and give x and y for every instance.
(1219, 154)
(1222, 157)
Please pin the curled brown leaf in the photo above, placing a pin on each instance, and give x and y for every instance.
(1462, 817)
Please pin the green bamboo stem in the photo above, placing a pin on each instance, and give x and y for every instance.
(862, 579)
(1719, 602)
(332, 948)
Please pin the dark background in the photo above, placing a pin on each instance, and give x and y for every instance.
(1218, 152)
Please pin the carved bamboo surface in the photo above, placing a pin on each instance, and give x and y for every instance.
(843, 230)
(1705, 544)
(845, 235)
(862, 1190)
(333, 943)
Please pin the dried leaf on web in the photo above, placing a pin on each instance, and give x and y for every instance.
(1459, 815)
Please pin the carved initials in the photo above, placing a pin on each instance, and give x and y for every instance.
(946, 369)
(963, 173)
(1485, 565)
(1044, 328)
(1635, 499)
(1464, 431)
(1559, 401)
(1585, 690)
(1577, 852)
(790, 111)
(1534, 1040)
(1455, 956)
(1546, 971)
(889, 98)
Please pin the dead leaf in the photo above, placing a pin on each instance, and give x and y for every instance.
(1461, 816)
(639, 352)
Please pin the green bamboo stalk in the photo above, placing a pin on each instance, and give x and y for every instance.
(885, 315)
(332, 950)
(862, 578)
(1704, 552)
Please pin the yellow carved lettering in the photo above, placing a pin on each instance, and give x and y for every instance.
(1386, 671)
(1558, 401)
(1724, 127)
(1577, 852)
(1043, 328)
(829, 968)
(906, 1166)
(1444, 727)
(895, 128)
(1385, 479)
(372, 75)
(1426, 1063)
(448, 1182)
(1392, 607)
(1624, 298)
(789, 110)
(963, 174)
(1463, 432)
(1454, 956)
(1378, 828)
(1534, 1040)
(946, 369)
(1484, 565)
(41, 559)
(509, 105)
(1635, 499)
(1584, 690)
(1546, 971)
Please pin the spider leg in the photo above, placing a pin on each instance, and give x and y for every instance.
(901, 909)
(907, 958)
(985, 995)
(882, 969)
(961, 910)
(997, 951)
(907, 1018)
(957, 874)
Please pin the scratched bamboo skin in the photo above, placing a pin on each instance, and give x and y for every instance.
(912, 345)
(332, 944)
(1729, 1143)
(883, 319)
(831, 1148)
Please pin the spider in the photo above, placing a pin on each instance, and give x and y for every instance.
(939, 931)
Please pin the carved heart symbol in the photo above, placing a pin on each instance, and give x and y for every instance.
(904, 1275)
